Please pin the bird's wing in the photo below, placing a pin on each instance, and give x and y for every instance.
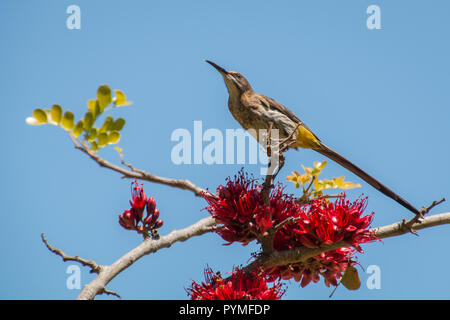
(272, 104)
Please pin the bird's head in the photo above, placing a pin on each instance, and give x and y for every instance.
(235, 82)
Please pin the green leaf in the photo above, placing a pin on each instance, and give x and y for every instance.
(350, 185)
(350, 279)
(113, 137)
(94, 108)
(118, 124)
(94, 146)
(104, 96)
(67, 120)
(294, 180)
(88, 121)
(298, 179)
(307, 170)
(107, 124)
(92, 134)
(102, 139)
(120, 99)
(320, 165)
(56, 113)
(78, 129)
(40, 115)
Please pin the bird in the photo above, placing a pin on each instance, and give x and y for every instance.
(256, 112)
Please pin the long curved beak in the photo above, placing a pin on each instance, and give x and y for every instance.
(218, 68)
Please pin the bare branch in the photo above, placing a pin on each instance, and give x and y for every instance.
(95, 268)
(435, 203)
(107, 273)
(283, 223)
(139, 174)
(278, 258)
(397, 229)
(408, 225)
(112, 293)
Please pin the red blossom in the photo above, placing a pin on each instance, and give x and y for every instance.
(127, 220)
(241, 285)
(138, 199)
(133, 218)
(320, 223)
(240, 208)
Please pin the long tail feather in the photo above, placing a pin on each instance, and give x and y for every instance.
(323, 149)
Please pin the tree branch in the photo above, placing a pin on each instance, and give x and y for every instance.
(137, 173)
(107, 273)
(398, 228)
(95, 268)
(278, 258)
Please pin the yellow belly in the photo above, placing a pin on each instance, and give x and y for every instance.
(306, 139)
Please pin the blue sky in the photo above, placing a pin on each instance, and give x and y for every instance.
(379, 97)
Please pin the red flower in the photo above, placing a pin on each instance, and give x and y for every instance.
(324, 223)
(242, 285)
(139, 199)
(127, 219)
(240, 208)
(133, 218)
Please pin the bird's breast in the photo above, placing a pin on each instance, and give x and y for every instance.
(248, 117)
(256, 120)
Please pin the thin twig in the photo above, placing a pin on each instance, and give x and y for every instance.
(95, 268)
(285, 147)
(314, 177)
(112, 293)
(137, 173)
(425, 210)
(418, 218)
(268, 181)
(283, 223)
(271, 173)
(330, 196)
(267, 240)
(304, 199)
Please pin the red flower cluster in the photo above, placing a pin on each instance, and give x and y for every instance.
(324, 223)
(242, 285)
(133, 218)
(240, 208)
